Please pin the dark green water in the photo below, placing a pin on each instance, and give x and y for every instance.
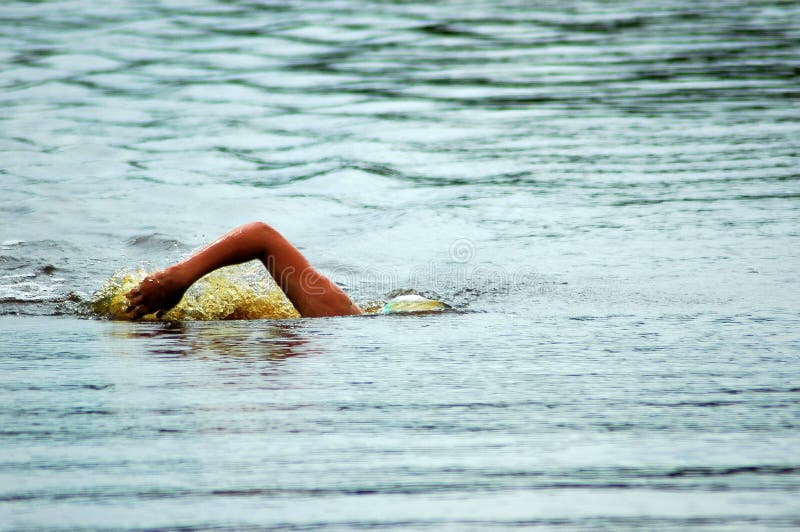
(608, 192)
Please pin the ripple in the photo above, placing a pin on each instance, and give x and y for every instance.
(155, 241)
(624, 178)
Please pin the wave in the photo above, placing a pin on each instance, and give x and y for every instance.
(155, 241)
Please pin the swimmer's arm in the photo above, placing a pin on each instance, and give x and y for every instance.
(311, 293)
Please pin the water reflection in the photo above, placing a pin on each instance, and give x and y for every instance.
(253, 340)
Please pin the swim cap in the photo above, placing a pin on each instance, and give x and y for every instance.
(412, 303)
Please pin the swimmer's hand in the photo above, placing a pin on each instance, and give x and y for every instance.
(157, 293)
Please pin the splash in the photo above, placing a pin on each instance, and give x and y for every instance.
(243, 292)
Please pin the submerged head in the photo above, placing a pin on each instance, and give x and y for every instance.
(412, 303)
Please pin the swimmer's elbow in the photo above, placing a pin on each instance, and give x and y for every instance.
(259, 228)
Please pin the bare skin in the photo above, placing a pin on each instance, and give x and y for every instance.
(311, 293)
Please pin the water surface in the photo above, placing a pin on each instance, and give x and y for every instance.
(607, 194)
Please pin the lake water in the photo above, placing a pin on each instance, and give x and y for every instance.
(608, 194)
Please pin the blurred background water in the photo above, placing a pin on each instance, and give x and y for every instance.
(608, 193)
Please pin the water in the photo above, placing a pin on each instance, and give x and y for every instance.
(607, 194)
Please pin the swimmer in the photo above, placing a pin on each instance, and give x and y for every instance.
(311, 293)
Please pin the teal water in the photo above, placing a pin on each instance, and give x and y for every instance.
(608, 194)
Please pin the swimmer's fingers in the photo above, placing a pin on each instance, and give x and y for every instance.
(137, 307)
(151, 296)
(133, 291)
(136, 312)
(148, 283)
(134, 301)
(138, 304)
(141, 311)
(133, 294)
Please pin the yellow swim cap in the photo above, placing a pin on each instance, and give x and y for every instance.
(412, 303)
